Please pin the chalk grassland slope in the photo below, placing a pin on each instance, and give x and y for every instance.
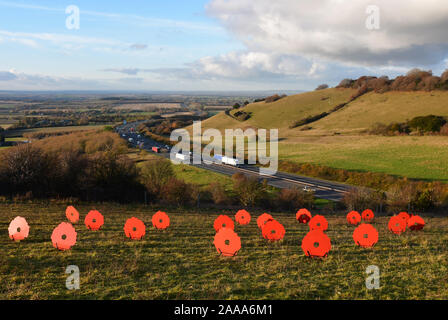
(353, 149)
(282, 113)
(182, 262)
(385, 108)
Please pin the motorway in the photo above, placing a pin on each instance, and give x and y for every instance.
(322, 189)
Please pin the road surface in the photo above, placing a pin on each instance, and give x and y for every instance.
(322, 189)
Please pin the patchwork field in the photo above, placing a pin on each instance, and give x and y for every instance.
(182, 262)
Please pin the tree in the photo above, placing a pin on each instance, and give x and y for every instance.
(2, 136)
(236, 106)
(155, 175)
(322, 87)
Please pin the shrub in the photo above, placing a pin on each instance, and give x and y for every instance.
(249, 191)
(155, 174)
(429, 123)
(177, 192)
(218, 193)
(293, 199)
(322, 87)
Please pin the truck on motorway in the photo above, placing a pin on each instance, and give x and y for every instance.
(226, 160)
(182, 157)
(131, 140)
(156, 149)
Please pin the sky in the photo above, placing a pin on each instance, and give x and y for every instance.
(217, 45)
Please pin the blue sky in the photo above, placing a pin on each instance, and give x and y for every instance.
(213, 44)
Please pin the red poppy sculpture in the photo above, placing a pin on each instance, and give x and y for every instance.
(397, 225)
(262, 219)
(223, 221)
(273, 230)
(94, 220)
(160, 220)
(227, 242)
(416, 223)
(134, 229)
(303, 216)
(316, 244)
(405, 216)
(368, 215)
(72, 214)
(18, 229)
(365, 235)
(64, 236)
(242, 217)
(318, 223)
(354, 218)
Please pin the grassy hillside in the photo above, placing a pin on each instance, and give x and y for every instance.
(182, 262)
(282, 113)
(386, 108)
(339, 141)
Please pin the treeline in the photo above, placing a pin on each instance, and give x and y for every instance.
(414, 80)
(435, 125)
(391, 192)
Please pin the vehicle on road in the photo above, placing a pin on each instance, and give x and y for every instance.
(308, 189)
(156, 149)
(182, 157)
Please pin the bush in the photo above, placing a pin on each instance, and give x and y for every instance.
(362, 198)
(249, 191)
(322, 87)
(429, 123)
(293, 199)
(218, 193)
(177, 192)
(155, 175)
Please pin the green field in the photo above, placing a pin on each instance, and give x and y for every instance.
(182, 263)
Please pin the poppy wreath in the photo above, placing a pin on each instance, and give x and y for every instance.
(18, 229)
(354, 218)
(368, 215)
(318, 223)
(405, 216)
(365, 235)
(416, 223)
(64, 236)
(397, 225)
(160, 220)
(227, 242)
(303, 216)
(273, 230)
(223, 221)
(134, 229)
(72, 214)
(316, 244)
(262, 219)
(242, 217)
(94, 220)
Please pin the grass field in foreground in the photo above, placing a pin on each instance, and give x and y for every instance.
(182, 263)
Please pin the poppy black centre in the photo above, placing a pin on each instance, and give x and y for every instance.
(397, 225)
(160, 220)
(227, 242)
(94, 220)
(318, 224)
(366, 236)
(272, 231)
(64, 237)
(316, 244)
(223, 225)
(134, 229)
(18, 229)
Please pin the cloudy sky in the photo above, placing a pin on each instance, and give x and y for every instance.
(216, 44)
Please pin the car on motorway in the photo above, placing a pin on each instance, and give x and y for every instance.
(308, 189)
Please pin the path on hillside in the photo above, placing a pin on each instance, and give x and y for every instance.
(322, 189)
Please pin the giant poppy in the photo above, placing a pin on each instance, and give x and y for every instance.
(416, 223)
(273, 230)
(397, 225)
(134, 228)
(316, 244)
(303, 216)
(223, 221)
(18, 229)
(365, 235)
(242, 217)
(262, 219)
(318, 223)
(368, 215)
(405, 216)
(160, 220)
(64, 236)
(353, 218)
(72, 214)
(94, 220)
(227, 242)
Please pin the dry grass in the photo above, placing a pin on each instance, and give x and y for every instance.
(182, 263)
